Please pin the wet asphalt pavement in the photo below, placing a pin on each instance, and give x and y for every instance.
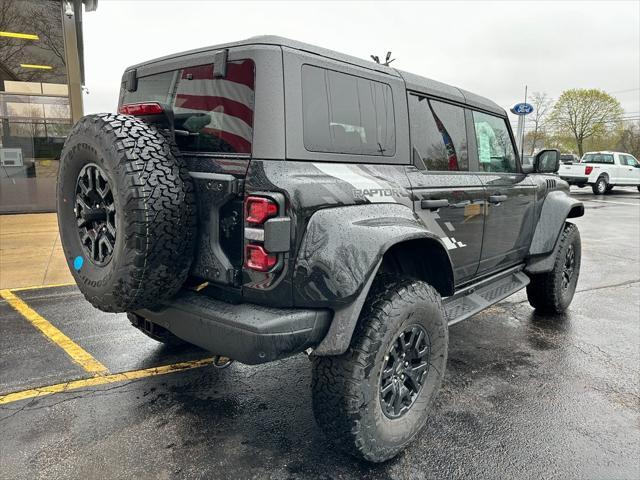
(524, 396)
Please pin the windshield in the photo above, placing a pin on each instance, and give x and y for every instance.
(597, 158)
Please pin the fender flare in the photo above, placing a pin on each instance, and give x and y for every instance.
(339, 257)
(557, 207)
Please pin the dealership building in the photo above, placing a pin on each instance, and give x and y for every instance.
(41, 80)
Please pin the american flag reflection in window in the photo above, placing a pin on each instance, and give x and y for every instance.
(215, 114)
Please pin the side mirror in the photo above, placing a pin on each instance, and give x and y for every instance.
(547, 161)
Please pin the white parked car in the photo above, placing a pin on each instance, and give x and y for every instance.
(603, 171)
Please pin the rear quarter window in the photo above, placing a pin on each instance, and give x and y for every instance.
(346, 114)
(210, 114)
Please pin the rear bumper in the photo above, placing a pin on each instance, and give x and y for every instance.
(572, 180)
(246, 332)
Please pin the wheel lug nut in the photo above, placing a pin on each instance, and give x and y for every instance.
(406, 364)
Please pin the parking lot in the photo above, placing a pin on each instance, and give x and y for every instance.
(84, 395)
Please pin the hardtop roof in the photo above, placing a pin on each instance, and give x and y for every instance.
(412, 81)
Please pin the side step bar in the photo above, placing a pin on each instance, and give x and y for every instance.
(474, 298)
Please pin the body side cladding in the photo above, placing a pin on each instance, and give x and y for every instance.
(340, 255)
(557, 207)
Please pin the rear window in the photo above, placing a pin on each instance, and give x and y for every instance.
(210, 114)
(346, 114)
(597, 158)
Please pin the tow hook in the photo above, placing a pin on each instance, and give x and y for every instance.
(221, 362)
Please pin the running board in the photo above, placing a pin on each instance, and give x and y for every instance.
(477, 297)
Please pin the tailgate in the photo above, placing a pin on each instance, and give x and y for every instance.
(572, 170)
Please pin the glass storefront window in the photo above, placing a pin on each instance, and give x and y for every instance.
(25, 110)
(35, 116)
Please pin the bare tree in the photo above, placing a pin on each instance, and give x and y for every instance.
(630, 139)
(11, 19)
(541, 105)
(583, 113)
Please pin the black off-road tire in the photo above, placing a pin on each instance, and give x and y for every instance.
(154, 203)
(156, 332)
(547, 292)
(601, 185)
(346, 388)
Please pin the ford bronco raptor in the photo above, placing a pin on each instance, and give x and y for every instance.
(267, 197)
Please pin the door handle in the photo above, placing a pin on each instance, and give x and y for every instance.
(497, 198)
(461, 204)
(434, 204)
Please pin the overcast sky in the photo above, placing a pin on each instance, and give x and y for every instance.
(490, 48)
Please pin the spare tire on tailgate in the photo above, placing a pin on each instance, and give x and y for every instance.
(126, 212)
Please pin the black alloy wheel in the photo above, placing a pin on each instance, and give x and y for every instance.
(95, 214)
(405, 368)
(569, 267)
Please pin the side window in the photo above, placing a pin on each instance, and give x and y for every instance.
(495, 149)
(438, 134)
(346, 114)
(629, 160)
(211, 114)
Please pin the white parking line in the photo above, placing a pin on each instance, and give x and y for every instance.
(610, 201)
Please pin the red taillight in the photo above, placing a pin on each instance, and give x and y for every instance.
(256, 258)
(259, 209)
(588, 169)
(141, 109)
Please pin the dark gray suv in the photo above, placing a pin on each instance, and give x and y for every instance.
(267, 197)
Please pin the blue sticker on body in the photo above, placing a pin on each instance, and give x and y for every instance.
(78, 262)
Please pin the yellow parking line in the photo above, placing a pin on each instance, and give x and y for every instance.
(75, 351)
(95, 381)
(36, 287)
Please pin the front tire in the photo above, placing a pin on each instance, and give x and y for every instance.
(600, 187)
(552, 292)
(371, 400)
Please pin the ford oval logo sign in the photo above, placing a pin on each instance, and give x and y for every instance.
(522, 109)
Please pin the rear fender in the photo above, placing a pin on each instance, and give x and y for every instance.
(339, 257)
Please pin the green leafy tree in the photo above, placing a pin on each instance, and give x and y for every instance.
(584, 113)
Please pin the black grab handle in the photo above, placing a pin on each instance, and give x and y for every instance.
(434, 204)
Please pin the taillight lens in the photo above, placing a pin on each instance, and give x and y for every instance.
(256, 258)
(588, 169)
(259, 209)
(141, 109)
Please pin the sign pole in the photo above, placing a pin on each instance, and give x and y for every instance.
(520, 134)
(523, 124)
(521, 110)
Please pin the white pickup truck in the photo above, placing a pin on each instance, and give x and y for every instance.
(603, 171)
